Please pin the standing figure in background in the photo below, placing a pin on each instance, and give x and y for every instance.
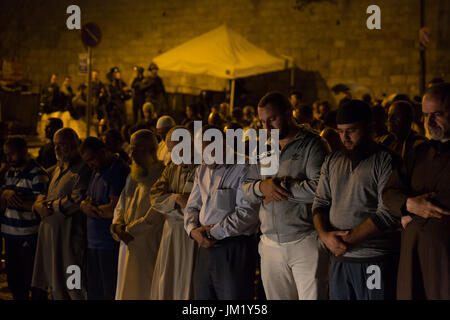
(164, 124)
(66, 93)
(379, 118)
(138, 93)
(4, 166)
(193, 113)
(79, 103)
(401, 138)
(50, 96)
(114, 141)
(224, 112)
(153, 87)
(295, 98)
(329, 131)
(250, 120)
(323, 108)
(214, 119)
(136, 225)
(303, 114)
(118, 94)
(47, 156)
(172, 278)
(149, 120)
(98, 95)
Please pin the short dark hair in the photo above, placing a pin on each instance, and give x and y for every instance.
(441, 93)
(406, 107)
(435, 81)
(324, 103)
(237, 113)
(18, 143)
(69, 135)
(296, 93)
(211, 126)
(367, 98)
(378, 113)
(195, 108)
(92, 144)
(330, 119)
(277, 99)
(401, 97)
(305, 110)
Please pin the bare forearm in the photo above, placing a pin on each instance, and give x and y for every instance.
(362, 232)
(322, 221)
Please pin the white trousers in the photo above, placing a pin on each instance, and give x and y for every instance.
(295, 270)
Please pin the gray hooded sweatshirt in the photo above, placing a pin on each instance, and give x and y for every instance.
(301, 160)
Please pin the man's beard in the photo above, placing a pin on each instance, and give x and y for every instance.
(360, 152)
(436, 133)
(284, 130)
(63, 158)
(139, 173)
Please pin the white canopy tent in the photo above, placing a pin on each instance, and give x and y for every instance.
(221, 53)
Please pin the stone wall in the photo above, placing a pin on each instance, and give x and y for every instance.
(327, 38)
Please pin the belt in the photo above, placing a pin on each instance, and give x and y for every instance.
(220, 243)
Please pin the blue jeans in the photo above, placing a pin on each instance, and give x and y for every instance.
(374, 280)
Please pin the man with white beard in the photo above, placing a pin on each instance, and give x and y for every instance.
(135, 224)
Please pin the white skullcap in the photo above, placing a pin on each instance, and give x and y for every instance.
(165, 122)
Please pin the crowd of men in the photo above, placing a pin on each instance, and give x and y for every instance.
(107, 99)
(359, 208)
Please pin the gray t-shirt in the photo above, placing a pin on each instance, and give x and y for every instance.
(354, 194)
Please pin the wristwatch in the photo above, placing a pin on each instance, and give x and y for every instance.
(208, 234)
(286, 183)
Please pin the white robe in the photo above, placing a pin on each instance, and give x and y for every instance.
(172, 277)
(162, 153)
(137, 259)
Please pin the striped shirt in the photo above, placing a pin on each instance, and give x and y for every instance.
(18, 223)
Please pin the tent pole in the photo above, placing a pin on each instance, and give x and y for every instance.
(88, 106)
(292, 77)
(233, 84)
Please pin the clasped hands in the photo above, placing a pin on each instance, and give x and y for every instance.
(203, 237)
(181, 200)
(273, 191)
(123, 235)
(338, 242)
(90, 209)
